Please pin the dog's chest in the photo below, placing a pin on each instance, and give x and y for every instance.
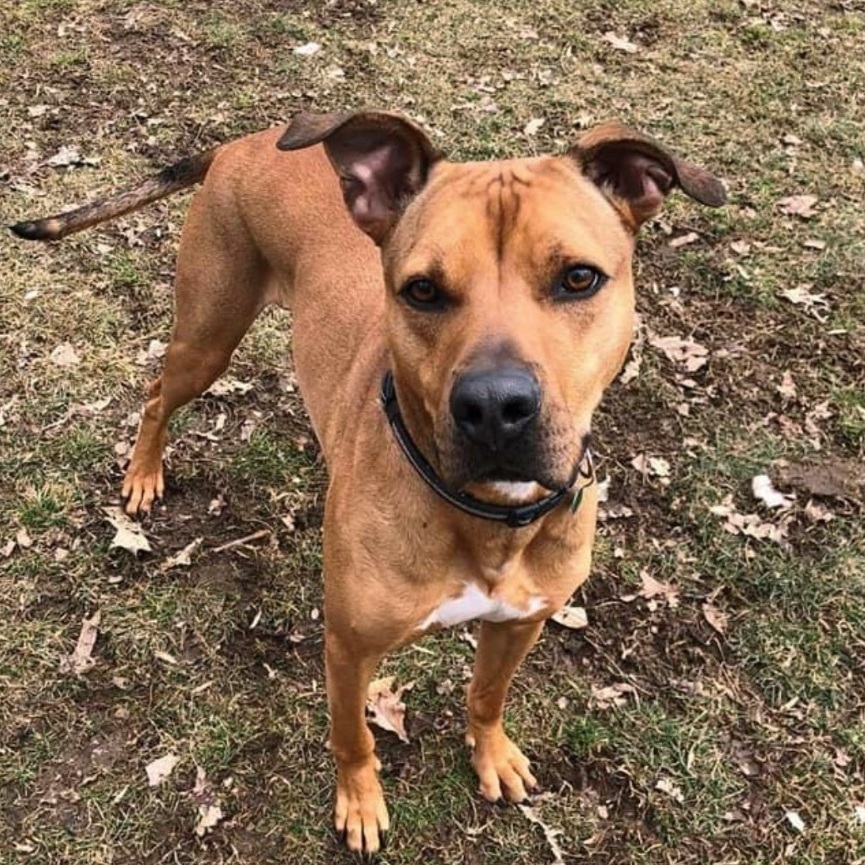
(475, 602)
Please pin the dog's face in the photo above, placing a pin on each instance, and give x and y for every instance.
(510, 296)
(510, 310)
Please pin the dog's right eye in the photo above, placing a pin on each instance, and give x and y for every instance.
(423, 294)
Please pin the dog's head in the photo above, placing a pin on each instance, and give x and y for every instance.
(510, 289)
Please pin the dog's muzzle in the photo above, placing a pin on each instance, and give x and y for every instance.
(494, 408)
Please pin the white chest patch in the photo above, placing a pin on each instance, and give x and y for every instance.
(475, 603)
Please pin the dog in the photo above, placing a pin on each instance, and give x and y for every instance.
(454, 328)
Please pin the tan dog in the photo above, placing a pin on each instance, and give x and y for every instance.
(500, 299)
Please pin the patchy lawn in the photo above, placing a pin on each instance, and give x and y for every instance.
(714, 708)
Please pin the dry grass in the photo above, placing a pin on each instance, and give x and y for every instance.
(722, 736)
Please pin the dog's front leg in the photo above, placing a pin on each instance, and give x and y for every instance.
(500, 765)
(361, 815)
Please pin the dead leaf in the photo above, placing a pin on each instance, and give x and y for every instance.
(718, 619)
(226, 386)
(64, 355)
(8, 549)
(22, 538)
(641, 464)
(684, 240)
(787, 388)
(744, 760)
(750, 525)
(385, 707)
(129, 534)
(762, 489)
(659, 467)
(551, 835)
(154, 351)
(573, 618)
(612, 695)
(686, 352)
(799, 205)
(812, 243)
(817, 513)
(653, 588)
(307, 49)
(632, 367)
(69, 156)
(621, 43)
(793, 818)
(813, 304)
(182, 559)
(161, 769)
(80, 660)
(740, 247)
(533, 126)
(208, 817)
(666, 786)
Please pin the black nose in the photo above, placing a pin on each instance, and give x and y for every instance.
(494, 407)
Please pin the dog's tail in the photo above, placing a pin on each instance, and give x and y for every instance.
(187, 172)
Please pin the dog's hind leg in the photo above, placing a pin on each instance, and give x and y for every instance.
(220, 289)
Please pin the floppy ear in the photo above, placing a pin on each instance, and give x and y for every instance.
(382, 161)
(637, 173)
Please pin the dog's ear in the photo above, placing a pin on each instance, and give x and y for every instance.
(382, 160)
(637, 173)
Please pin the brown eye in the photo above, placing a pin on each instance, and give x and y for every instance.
(579, 282)
(423, 294)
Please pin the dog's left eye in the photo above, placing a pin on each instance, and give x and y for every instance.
(578, 282)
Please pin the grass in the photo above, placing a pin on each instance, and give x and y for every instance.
(722, 734)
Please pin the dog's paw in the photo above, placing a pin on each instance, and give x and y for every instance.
(141, 487)
(502, 769)
(361, 816)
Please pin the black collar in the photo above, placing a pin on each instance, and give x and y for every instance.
(512, 516)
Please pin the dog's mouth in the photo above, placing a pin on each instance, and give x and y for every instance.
(529, 475)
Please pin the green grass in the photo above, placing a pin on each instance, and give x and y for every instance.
(780, 692)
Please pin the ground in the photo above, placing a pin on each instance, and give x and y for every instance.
(715, 715)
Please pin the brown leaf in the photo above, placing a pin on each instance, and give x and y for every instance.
(787, 388)
(573, 618)
(799, 205)
(208, 816)
(161, 769)
(182, 559)
(653, 588)
(813, 304)
(612, 695)
(621, 43)
(686, 352)
(64, 355)
(80, 660)
(129, 535)
(385, 707)
(684, 240)
(817, 513)
(669, 788)
(718, 619)
(750, 525)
